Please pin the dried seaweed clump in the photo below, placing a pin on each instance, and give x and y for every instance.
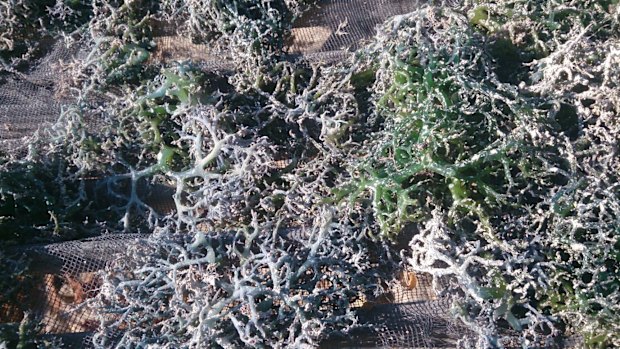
(251, 255)
(498, 146)
(251, 171)
(258, 286)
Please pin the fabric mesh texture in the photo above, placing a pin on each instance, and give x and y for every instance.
(29, 100)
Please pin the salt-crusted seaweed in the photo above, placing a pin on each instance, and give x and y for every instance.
(488, 130)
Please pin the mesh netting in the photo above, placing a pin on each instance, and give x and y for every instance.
(30, 100)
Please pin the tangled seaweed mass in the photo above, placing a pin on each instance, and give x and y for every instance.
(488, 130)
